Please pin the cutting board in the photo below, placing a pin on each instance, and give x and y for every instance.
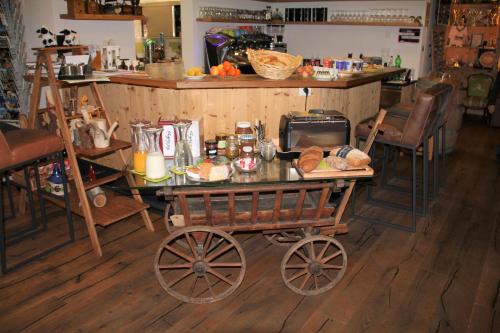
(334, 173)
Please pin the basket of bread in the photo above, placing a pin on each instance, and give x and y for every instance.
(273, 65)
(341, 160)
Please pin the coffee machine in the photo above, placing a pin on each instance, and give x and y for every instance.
(232, 46)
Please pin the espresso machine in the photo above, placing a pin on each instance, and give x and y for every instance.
(220, 47)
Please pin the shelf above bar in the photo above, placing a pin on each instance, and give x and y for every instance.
(380, 24)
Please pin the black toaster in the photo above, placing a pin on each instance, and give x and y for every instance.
(323, 128)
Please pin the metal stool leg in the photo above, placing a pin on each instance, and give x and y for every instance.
(43, 215)
(413, 226)
(435, 163)
(30, 196)
(425, 187)
(3, 256)
(11, 200)
(69, 217)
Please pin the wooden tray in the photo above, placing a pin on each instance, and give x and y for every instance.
(334, 173)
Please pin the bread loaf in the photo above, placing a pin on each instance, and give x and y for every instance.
(353, 156)
(310, 158)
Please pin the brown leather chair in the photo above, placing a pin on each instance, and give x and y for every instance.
(24, 148)
(447, 91)
(410, 133)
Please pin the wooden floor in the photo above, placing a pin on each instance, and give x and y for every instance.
(444, 278)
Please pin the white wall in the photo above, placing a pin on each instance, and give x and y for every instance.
(46, 12)
(317, 40)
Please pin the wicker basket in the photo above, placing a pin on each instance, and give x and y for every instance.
(273, 65)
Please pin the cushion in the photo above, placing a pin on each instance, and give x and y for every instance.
(28, 144)
(391, 130)
(475, 102)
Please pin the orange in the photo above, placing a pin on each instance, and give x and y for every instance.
(222, 72)
(231, 72)
(227, 65)
(220, 67)
(238, 72)
(214, 70)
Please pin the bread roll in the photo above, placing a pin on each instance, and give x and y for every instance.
(353, 156)
(310, 158)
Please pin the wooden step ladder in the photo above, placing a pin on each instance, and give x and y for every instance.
(117, 207)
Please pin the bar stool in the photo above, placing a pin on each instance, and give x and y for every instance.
(24, 148)
(445, 93)
(407, 134)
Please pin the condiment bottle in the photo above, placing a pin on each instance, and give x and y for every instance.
(221, 143)
(232, 148)
(243, 127)
(247, 142)
(211, 148)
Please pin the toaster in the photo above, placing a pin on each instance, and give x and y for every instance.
(323, 128)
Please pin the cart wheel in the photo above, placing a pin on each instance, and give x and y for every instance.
(314, 265)
(169, 211)
(210, 269)
(283, 238)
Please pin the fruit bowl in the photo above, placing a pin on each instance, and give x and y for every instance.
(247, 164)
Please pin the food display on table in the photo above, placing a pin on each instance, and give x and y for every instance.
(225, 69)
(342, 161)
(345, 157)
(210, 170)
(305, 71)
(372, 68)
(310, 158)
(273, 65)
(195, 73)
(247, 164)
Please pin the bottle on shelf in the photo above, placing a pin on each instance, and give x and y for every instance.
(269, 13)
(391, 61)
(397, 62)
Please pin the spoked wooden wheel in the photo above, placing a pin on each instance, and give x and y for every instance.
(314, 265)
(169, 211)
(284, 238)
(210, 269)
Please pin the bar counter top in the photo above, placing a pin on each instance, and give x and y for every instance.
(251, 81)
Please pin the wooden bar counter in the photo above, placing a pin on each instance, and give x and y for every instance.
(221, 102)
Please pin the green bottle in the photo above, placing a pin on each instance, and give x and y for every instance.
(397, 62)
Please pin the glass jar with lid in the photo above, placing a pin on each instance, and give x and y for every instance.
(243, 127)
(247, 143)
(232, 146)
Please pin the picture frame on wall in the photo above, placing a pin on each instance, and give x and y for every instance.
(476, 40)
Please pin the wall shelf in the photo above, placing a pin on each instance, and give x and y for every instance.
(378, 24)
(101, 17)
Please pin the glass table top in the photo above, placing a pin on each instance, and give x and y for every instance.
(276, 171)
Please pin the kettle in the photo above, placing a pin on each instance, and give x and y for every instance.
(102, 139)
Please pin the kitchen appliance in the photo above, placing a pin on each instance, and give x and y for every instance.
(323, 128)
(221, 46)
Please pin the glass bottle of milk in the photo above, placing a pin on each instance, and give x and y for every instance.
(155, 162)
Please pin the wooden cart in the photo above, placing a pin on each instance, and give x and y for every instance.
(201, 262)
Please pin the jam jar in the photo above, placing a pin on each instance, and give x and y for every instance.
(221, 143)
(211, 148)
(232, 148)
(247, 142)
(243, 127)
